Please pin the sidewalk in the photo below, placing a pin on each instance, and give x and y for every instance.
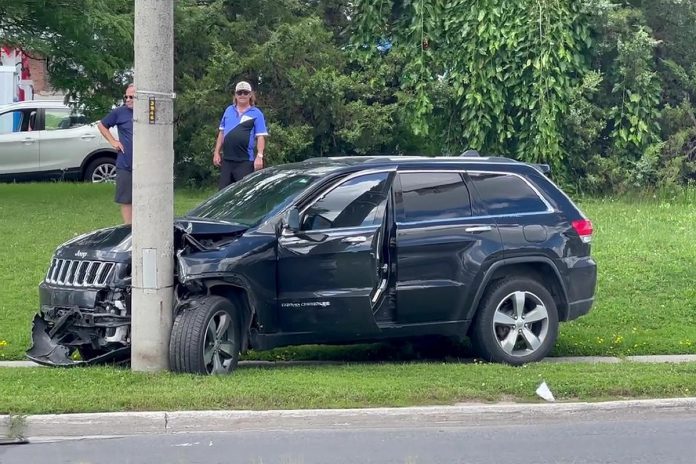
(657, 359)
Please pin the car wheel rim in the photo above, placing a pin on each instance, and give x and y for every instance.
(104, 173)
(521, 323)
(218, 352)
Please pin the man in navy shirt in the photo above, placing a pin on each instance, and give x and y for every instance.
(122, 118)
(242, 126)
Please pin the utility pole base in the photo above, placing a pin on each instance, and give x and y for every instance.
(152, 327)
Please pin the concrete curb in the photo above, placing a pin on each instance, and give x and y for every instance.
(658, 359)
(42, 428)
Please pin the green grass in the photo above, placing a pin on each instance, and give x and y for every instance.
(44, 390)
(646, 298)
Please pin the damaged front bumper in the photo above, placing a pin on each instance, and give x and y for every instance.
(46, 349)
(81, 326)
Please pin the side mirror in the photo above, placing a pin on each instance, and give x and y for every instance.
(292, 220)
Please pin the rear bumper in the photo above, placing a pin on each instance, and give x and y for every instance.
(579, 308)
(581, 287)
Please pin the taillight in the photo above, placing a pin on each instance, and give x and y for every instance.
(584, 229)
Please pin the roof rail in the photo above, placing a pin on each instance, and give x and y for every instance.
(542, 168)
(470, 153)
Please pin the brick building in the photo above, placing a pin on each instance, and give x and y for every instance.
(39, 75)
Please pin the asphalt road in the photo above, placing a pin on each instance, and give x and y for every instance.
(603, 436)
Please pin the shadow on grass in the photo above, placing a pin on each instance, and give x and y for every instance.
(426, 349)
(420, 349)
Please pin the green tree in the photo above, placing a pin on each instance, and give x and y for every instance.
(316, 100)
(507, 67)
(88, 44)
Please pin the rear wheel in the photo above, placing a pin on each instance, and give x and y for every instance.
(516, 323)
(206, 338)
(101, 170)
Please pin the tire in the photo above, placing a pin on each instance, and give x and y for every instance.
(101, 170)
(206, 338)
(511, 303)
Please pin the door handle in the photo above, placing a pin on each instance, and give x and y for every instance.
(88, 137)
(28, 140)
(358, 239)
(473, 230)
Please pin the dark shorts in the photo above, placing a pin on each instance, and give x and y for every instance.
(233, 171)
(124, 187)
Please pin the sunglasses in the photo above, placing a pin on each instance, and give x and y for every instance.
(128, 97)
(242, 92)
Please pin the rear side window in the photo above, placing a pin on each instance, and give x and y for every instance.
(506, 194)
(61, 118)
(433, 195)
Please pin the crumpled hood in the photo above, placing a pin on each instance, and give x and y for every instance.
(110, 244)
(115, 243)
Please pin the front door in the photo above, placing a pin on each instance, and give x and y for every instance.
(331, 272)
(19, 144)
(65, 140)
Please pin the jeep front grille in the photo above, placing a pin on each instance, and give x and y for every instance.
(75, 273)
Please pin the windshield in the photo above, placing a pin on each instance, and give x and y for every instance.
(255, 197)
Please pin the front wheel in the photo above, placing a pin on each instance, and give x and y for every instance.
(206, 338)
(516, 323)
(101, 170)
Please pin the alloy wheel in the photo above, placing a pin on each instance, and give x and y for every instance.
(521, 323)
(104, 173)
(219, 347)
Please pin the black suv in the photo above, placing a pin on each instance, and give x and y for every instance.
(341, 250)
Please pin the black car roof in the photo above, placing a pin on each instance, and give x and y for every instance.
(353, 163)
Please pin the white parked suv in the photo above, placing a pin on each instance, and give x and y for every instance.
(43, 139)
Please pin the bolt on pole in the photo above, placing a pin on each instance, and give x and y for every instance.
(153, 186)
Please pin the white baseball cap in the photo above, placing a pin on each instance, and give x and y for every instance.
(243, 85)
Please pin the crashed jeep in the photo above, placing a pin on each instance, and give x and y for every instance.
(339, 250)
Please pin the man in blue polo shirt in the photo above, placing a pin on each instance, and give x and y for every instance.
(241, 128)
(122, 118)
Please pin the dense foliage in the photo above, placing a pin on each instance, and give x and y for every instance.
(600, 89)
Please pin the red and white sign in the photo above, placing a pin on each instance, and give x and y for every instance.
(21, 86)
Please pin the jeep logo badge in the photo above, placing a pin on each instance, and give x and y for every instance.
(80, 254)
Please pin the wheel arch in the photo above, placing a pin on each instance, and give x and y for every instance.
(98, 153)
(539, 268)
(238, 295)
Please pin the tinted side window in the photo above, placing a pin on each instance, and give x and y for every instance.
(433, 195)
(506, 194)
(357, 202)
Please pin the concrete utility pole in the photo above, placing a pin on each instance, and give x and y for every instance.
(153, 185)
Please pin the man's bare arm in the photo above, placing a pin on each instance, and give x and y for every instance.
(261, 146)
(109, 138)
(217, 159)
